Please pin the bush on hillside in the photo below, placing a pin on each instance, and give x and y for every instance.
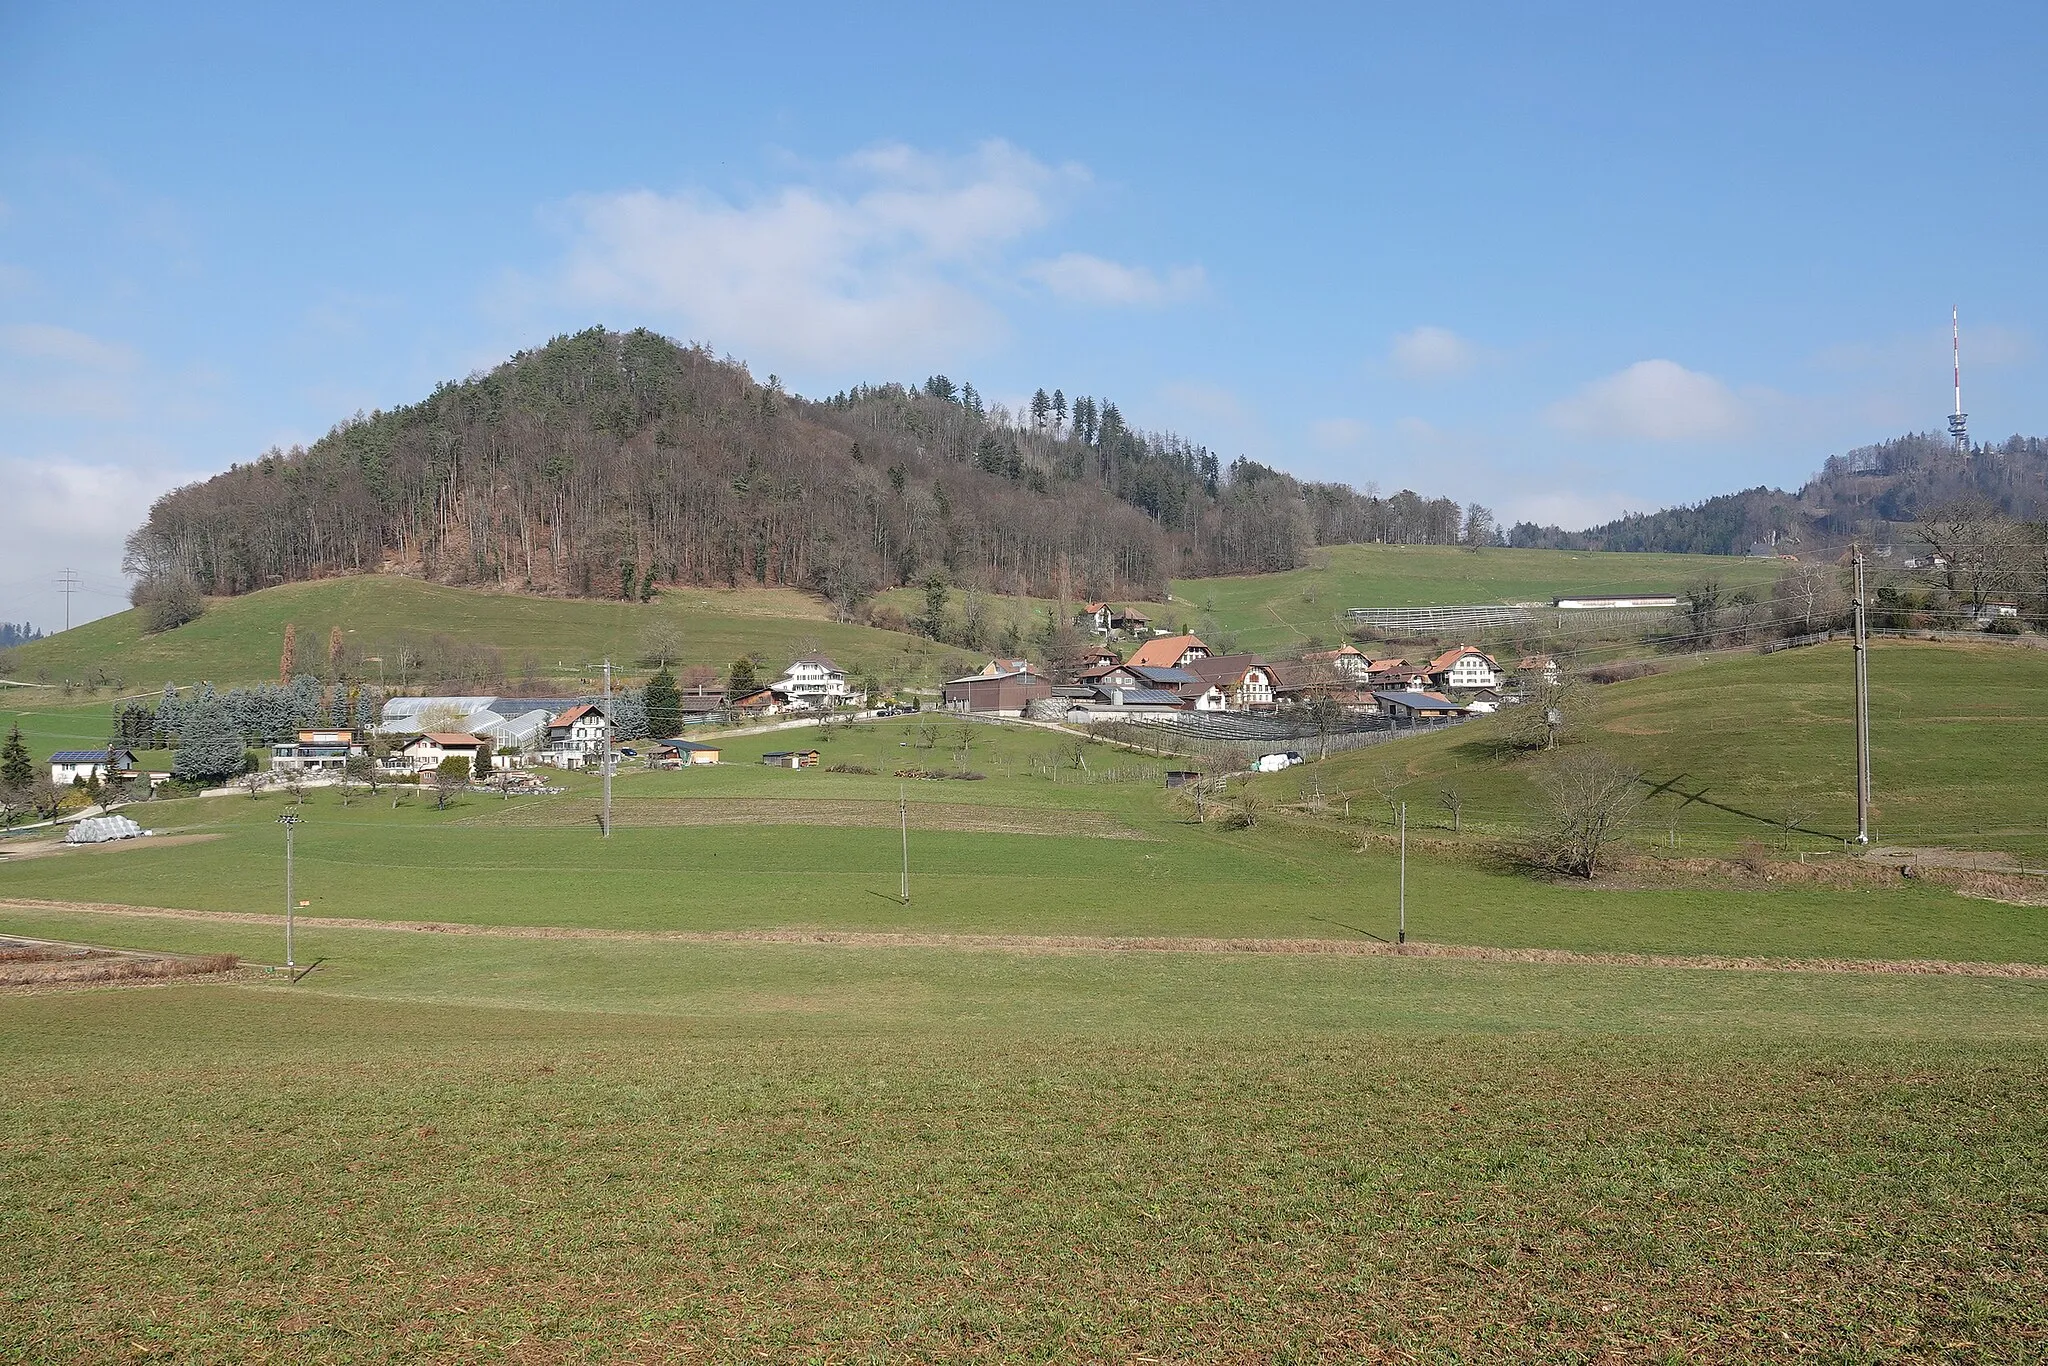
(1621, 671)
(167, 600)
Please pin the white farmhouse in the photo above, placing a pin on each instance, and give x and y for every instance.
(576, 737)
(1465, 669)
(815, 682)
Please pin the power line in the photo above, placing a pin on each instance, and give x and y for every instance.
(67, 584)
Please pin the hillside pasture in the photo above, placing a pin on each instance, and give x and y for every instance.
(1277, 612)
(549, 642)
(1959, 753)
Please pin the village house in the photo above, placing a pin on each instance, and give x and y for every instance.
(759, 702)
(1246, 682)
(1298, 682)
(1537, 669)
(315, 751)
(1096, 656)
(424, 753)
(1347, 660)
(1104, 619)
(1404, 705)
(1196, 694)
(814, 682)
(791, 758)
(577, 737)
(996, 668)
(1169, 652)
(1004, 694)
(90, 765)
(1465, 669)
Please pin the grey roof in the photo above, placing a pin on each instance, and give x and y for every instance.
(88, 756)
(1417, 701)
(1140, 697)
(1152, 673)
(992, 678)
(678, 743)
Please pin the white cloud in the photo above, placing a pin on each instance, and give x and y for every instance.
(1080, 278)
(892, 256)
(64, 512)
(42, 341)
(892, 269)
(1430, 352)
(57, 372)
(1574, 511)
(1652, 400)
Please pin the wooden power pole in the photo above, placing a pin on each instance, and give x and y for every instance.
(1862, 707)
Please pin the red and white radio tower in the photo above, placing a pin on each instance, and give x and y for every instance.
(1958, 421)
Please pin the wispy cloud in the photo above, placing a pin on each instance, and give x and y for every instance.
(892, 254)
(1080, 278)
(58, 372)
(1652, 400)
(1431, 352)
(1339, 435)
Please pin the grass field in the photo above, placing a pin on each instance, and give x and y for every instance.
(452, 1149)
(552, 1130)
(556, 640)
(1959, 751)
(1276, 611)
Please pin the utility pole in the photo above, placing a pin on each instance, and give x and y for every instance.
(1401, 934)
(1862, 707)
(903, 815)
(607, 762)
(67, 584)
(289, 820)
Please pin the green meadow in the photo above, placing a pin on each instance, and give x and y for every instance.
(1278, 611)
(557, 641)
(1959, 753)
(547, 1096)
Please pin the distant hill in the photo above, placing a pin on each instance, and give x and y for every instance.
(1869, 492)
(604, 464)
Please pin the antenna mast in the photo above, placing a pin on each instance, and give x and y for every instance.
(1959, 421)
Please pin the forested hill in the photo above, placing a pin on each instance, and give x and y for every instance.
(1867, 492)
(603, 464)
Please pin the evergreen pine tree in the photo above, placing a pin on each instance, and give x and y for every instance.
(209, 746)
(740, 681)
(664, 705)
(17, 773)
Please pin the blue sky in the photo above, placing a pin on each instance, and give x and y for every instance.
(1563, 260)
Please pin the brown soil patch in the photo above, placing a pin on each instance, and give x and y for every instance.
(33, 964)
(1079, 943)
(655, 812)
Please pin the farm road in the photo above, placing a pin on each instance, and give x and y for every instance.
(1038, 943)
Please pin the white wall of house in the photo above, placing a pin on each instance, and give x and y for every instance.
(1472, 671)
(813, 683)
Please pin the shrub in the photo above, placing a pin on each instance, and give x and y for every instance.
(1621, 671)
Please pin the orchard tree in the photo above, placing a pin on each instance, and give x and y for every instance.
(664, 705)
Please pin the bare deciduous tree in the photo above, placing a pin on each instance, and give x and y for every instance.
(1453, 801)
(1589, 797)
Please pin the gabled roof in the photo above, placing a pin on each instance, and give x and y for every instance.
(1220, 668)
(1456, 653)
(88, 756)
(682, 746)
(1341, 652)
(1537, 662)
(822, 661)
(1166, 650)
(449, 739)
(577, 713)
(1162, 675)
(1418, 701)
(995, 678)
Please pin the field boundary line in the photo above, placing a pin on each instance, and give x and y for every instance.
(1077, 943)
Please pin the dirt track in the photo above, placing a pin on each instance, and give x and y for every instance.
(1033, 943)
(647, 812)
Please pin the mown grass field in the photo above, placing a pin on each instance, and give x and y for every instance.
(556, 640)
(552, 1134)
(453, 1149)
(1959, 752)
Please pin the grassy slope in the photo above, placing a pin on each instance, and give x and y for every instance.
(1273, 611)
(1959, 749)
(539, 862)
(1279, 611)
(238, 640)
